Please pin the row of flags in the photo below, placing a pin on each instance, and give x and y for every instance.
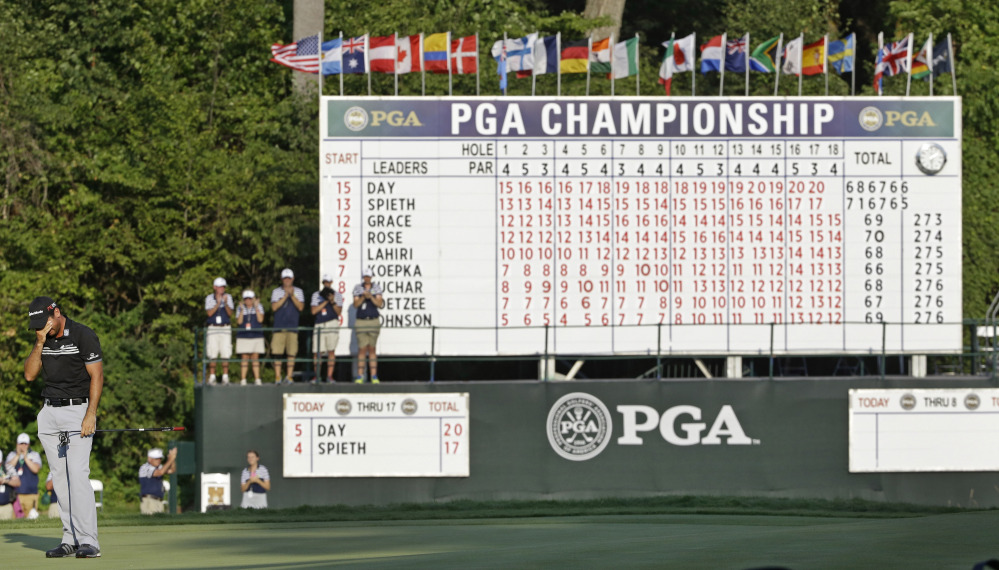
(436, 53)
(534, 55)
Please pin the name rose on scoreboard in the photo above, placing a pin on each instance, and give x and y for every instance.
(633, 225)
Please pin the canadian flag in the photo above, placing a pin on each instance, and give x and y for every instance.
(408, 60)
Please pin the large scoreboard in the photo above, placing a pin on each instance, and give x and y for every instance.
(647, 225)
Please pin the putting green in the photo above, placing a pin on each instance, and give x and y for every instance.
(621, 541)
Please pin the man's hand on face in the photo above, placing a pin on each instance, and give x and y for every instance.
(42, 333)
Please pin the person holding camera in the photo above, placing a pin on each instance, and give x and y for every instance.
(367, 300)
(327, 306)
(249, 335)
(9, 483)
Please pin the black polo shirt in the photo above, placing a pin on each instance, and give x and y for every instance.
(65, 359)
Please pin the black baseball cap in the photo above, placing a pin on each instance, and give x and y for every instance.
(39, 311)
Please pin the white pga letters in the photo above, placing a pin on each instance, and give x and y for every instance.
(726, 424)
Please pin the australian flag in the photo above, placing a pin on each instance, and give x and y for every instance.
(353, 54)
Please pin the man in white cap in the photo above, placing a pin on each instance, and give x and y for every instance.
(287, 302)
(26, 463)
(218, 341)
(367, 300)
(151, 479)
(327, 306)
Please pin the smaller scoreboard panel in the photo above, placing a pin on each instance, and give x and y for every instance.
(924, 430)
(376, 435)
(648, 225)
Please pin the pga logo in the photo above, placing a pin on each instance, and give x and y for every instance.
(580, 426)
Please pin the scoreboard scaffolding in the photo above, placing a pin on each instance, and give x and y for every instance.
(648, 225)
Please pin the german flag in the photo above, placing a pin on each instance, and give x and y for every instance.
(574, 56)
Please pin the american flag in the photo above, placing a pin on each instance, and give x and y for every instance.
(302, 55)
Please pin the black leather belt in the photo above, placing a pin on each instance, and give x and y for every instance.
(59, 402)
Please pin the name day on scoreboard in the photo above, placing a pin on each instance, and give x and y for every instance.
(608, 219)
(376, 435)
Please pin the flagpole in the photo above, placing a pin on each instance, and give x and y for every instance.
(319, 56)
(953, 68)
(929, 62)
(367, 62)
(908, 63)
(747, 63)
(534, 74)
(589, 53)
(476, 62)
(780, 52)
(423, 70)
(801, 60)
(825, 60)
(881, 45)
(341, 63)
(670, 51)
(558, 67)
(724, 55)
(505, 79)
(448, 46)
(638, 68)
(611, 47)
(853, 64)
(395, 64)
(693, 67)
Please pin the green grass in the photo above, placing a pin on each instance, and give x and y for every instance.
(666, 532)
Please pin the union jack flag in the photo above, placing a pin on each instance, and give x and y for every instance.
(893, 59)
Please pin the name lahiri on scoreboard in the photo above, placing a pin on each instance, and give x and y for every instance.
(645, 119)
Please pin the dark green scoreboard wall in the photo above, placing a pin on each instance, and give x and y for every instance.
(798, 428)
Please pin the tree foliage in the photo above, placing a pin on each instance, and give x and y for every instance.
(147, 147)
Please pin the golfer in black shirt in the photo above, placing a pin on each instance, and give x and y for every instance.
(69, 356)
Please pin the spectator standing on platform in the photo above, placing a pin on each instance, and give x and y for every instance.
(327, 306)
(53, 499)
(286, 303)
(255, 482)
(151, 479)
(367, 300)
(9, 482)
(218, 341)
(26, 463)
(249, 335)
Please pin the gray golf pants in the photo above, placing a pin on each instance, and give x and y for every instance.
(70, 471)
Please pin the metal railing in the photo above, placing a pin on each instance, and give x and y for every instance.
(770, 359)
